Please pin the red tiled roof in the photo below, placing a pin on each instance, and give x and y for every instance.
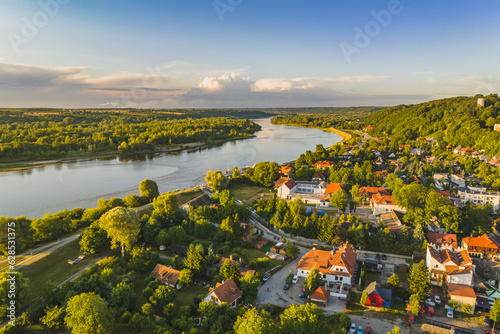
(383, 200)
(281, 181)
(323, 164)
(320, 294)
(370, 191)
(482, 241)
(331, 188)
(461, 290)
(325, 260)
(290, 184)
(166, 274)
(440, 239)
(460, 258)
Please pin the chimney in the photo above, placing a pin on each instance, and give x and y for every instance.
(231, 257)
(314, 248)
(333, 252)
(240, 260)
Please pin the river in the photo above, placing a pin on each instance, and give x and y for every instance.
(81, 183)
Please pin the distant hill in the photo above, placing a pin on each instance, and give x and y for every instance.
(453, 121)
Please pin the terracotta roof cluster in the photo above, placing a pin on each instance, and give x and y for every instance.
(321, 294)
(459, 260)
(166, 274)
(483, 241)
(286, 169)
(442, 239)
(383, 199)
(370, 191)
(331, 188)
(461, 290)
(226, 292)
(323, 164)
(324, 261)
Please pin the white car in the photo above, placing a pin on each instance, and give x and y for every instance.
(352, 329)
(437, 300)
(295, 279)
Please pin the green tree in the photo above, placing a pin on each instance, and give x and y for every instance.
(87, 313)
(395, 330)
(466, 308)
(22, 287)
(411, 196)
(419, 234)
(339, 200)
(185, 277)
(166, 210)
(225, 197)
(122, 226)
(162, 296)
(216, 180)
(415, 303)
(303, 319)
(291, 250)
(495, 312)
(94, 240)
(230, 270)
(54, 318)
(420, 280)
(123, 296)
(252, 322)
(364, 297)
(250, 284)
(313, 281)
(394, 280)
(194, 260)
(149, 189)
(263, 173)
(132, 201)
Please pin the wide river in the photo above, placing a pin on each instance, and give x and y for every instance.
(81, 183)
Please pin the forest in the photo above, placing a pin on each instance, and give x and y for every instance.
(453, 121)
(28, 135)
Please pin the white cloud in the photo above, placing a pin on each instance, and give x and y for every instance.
(233, 81)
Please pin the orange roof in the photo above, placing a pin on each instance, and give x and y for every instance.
(166, 274)
(383, 172)
(370, 191)
(461, 290)
(286, 169)
(280, 181)
(323, 164)
(332, 188)
(325, 260)
(482, 241)
(440, 239)
(320, 294)
(383, 200)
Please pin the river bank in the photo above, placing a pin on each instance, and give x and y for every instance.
(72, 157)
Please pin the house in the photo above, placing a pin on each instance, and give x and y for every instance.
(454, 165)
(323, 164)
(243, 268)
(285, 187)
(384, 203)
(483, 246)
(430, 160)
(166, 275)
(331, 188)
(457, 181)
(318, 177)
(312, 192)
(196, 202)
(417, 151)
(335, 266)
(442, 240)
(463, 295)
(392, 156)
(479, 195)
(496, 127)
(370, 191)
(452, 266)
(279, 248)
(287, 170)
(392, 221)
(346, 156)
(382, 173)
(378, 296)
(441, 181)
(225, 292)
(320, 296)
(178, 250)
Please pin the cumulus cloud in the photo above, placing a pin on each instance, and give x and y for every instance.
(226, 82)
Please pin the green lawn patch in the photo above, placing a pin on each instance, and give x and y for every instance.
(255, 253)
(248, 192)
(370, 277)
(53, 267)
(139, 286)
(354, 309)
(185, 296)
(186, 196)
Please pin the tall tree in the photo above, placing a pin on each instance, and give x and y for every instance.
(194, 260)
(339, 199)
(87, 313)
(313, 281)
(415, 303)
(303, 319)
(166, 210)
(216, 180)
(22, 288)
(229, 270)
(93, 240)
(420, 280)
(495, 312)
(149, 189)
(252, 322)
(122, 226)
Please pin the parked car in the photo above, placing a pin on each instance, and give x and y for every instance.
(360, 329)
(384, 257)
(489, 331)
(266, 277)
(368, 330)
(302, 294)
(437, 300)
(286, 286)
(449, 313)
(352, 329)
(377, 256)
(295, 279)
(411, 319)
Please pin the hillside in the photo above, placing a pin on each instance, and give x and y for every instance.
(453, 121)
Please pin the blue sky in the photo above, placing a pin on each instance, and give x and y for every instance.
(242, 53)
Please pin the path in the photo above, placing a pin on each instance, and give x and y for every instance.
(87, 266)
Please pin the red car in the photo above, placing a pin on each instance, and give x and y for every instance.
(411, 319)
(368, 330)
(489, 331)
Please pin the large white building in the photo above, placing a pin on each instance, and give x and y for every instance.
(450, 265)
(313, 192)
(479, 195)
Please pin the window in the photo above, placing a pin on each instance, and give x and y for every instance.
(336, 278)
(341, 278)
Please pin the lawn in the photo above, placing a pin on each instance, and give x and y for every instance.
(185, 296)
(53, 267)
(371, 276)
(254, 253)
(186, 196)
(139, 286)
(248, 193)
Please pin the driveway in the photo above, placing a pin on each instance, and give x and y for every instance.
(378, 323)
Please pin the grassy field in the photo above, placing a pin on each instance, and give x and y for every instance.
(53, 267)
(247, 192)
(256, 253)
(185, 296)
(186, 196)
